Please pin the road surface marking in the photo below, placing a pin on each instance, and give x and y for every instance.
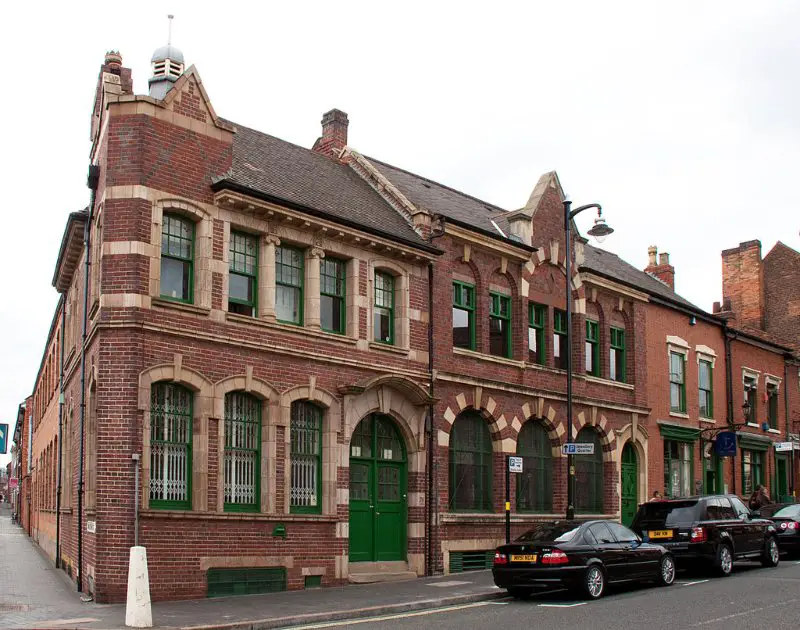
(746, 612)
(352, 622)
(449, 583)
(563, 605)
(499, 603)
(693, 583)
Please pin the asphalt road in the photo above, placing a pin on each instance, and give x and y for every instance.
(752, 598)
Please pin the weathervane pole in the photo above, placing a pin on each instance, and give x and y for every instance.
(169, 34)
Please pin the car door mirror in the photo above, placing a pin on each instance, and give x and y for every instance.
(645, 537)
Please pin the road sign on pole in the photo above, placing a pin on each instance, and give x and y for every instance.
(514, 464)
(577, 448)
(781, 447)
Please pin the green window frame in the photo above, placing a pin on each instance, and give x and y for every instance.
(306, 458)
(705, 379)
(678, 468)
(289, 284)
(463, 315)
(535, 482)
(500, 325)
(332, 291)
(470, 464)
(589, 475)
(537, 313)
(772, 405)
(677, 382)
(592, 347)
(560, 339)
(383, 321)
(177, 258)
(242, 456)
(752, 470)
(171, 419)
(243, 274)
(617, 359)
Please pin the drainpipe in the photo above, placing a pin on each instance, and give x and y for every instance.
(92, 181)
(729, 395)
(786, 360)
(430, 568)
(60, 431)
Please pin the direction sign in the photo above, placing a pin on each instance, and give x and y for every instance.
(781, 447)
(3, 438)
(725, 444)
(514, 464)
(577, 448)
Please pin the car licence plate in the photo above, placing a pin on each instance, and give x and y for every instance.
(660, 533)
(524, 558)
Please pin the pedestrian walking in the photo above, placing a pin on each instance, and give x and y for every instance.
(759, 498)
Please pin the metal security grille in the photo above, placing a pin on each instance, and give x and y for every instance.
(535, 483)
(242, 451)
(470, 464)
(248, 581)
(170, 446)
(306, 443)
(470, 560)
(589, 475)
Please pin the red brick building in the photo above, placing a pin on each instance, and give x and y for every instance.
(314, 364)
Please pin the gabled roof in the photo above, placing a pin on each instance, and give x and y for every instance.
(284, 172)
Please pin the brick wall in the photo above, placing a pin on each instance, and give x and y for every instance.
(782, 294)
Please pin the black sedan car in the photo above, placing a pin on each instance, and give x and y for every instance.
(583, 556)
(787, 524)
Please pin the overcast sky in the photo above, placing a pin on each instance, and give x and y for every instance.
(681, 118)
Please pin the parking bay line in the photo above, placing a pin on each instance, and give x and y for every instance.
(420, 613)
(563, 605)
(693, 583)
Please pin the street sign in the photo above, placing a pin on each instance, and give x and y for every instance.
(13, 482)
(577, 448)
(782, 447)
(725, 444)
(3, 439)
(514, 464)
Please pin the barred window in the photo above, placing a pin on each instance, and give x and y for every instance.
(535, 483)
(242, 458)
(470, 464)
(170, 446)
(306, 457)
(589, 475)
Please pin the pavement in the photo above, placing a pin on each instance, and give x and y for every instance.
(33, 594)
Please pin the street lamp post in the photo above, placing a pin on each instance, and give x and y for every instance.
(600, 230)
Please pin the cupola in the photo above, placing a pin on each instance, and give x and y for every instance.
(168, 65)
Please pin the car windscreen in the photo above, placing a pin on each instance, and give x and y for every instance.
(551, 532)
(790, 511)
(666, 514)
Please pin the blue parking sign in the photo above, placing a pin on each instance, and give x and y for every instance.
(3, 439)
(725, 444)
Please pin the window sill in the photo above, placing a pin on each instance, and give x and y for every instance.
(385, 347)
(235, 516)
(752, 424)
(490, 357)
(708, 420)
(607, 381)
(678, 414)
(180, 306)
(291, 328)
(774, 431)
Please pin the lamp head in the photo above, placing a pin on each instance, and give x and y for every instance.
(600, 230)
(746, 410)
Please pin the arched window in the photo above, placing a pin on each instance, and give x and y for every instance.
(589, 475)
(306, 457)
(535, 483)
(170, 446)
(470, 464)
(242, 458)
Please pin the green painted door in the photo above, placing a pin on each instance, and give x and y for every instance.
(782, 479)
(712, 474)
(378, 476)
(630, 484)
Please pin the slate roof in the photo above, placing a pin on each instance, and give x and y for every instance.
(287, 172)
(290, 173)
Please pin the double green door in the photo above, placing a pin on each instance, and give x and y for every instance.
(630, 484)
(377, 491)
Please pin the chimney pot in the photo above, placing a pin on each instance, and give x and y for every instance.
(651, 254)
(113, 59)
(663, 259)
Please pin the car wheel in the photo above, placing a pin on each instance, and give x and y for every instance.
(724, 562)
(666, 574)
(771, 554)
(518, 592)
(594, 582)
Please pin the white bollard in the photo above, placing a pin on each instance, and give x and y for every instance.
(138, 613)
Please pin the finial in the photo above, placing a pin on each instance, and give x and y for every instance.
(169, 35)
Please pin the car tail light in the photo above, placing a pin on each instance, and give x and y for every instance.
(555, 557)
(500, 558)
(698, 534)
(792, 525)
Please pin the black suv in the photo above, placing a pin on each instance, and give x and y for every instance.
(714, 530)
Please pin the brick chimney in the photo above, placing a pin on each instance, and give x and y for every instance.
(662, 269)
(113, 80)
(334, 134)
(743, 284)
